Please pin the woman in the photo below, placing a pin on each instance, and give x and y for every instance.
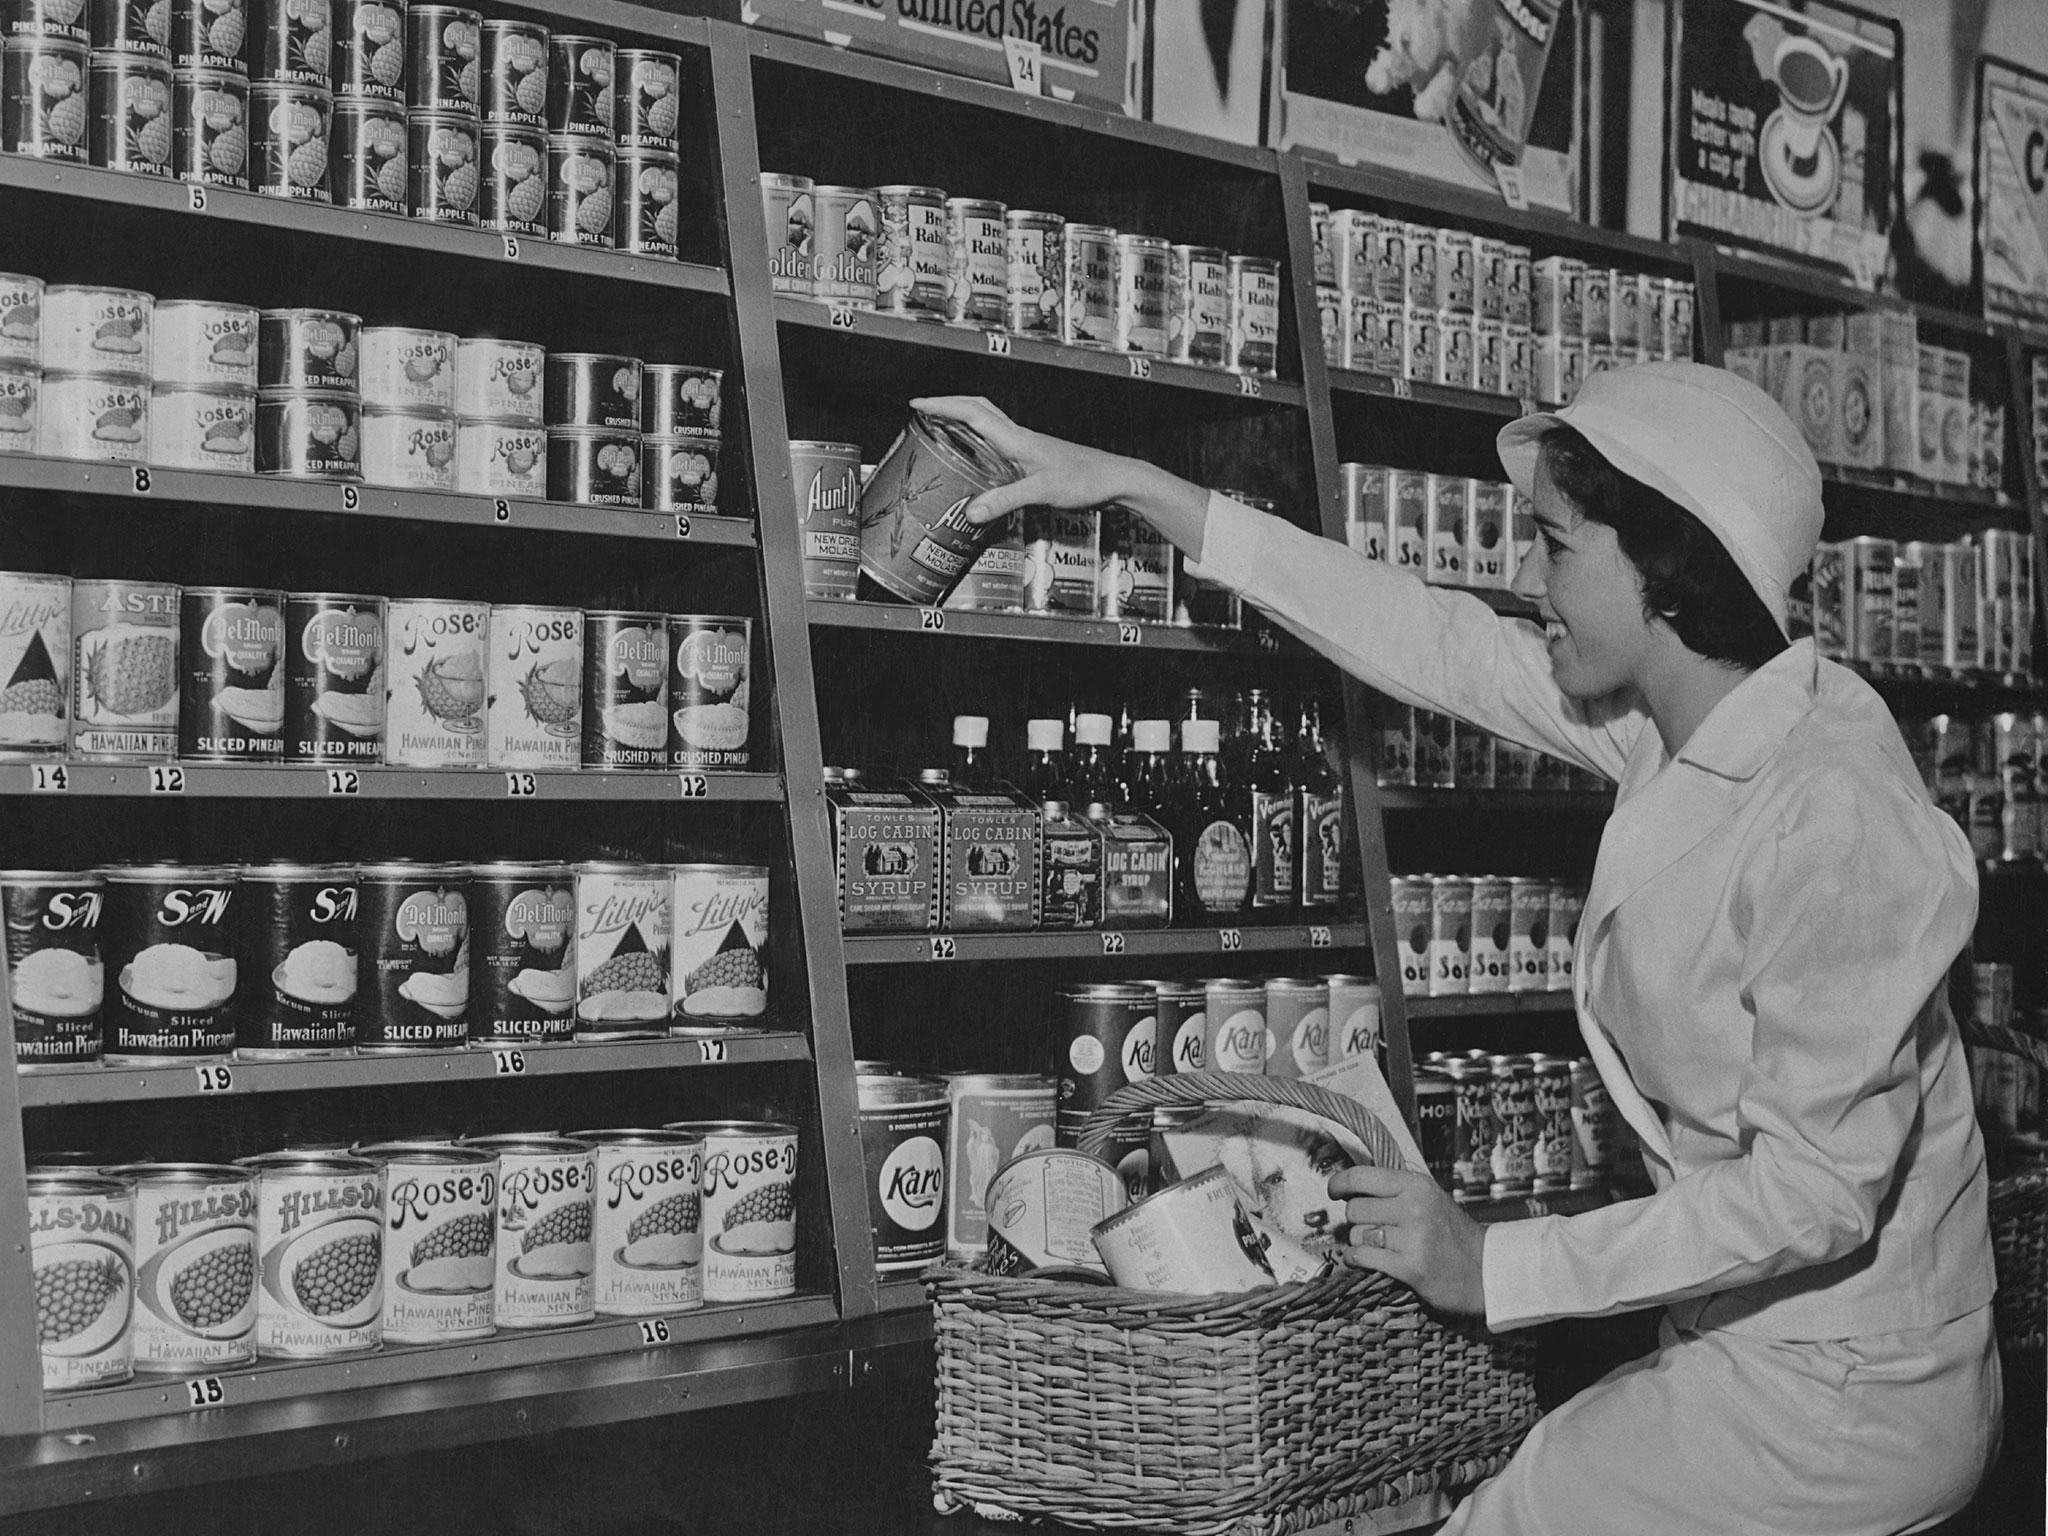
(1759, 975)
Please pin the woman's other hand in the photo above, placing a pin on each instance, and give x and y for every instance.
(1406, 1225)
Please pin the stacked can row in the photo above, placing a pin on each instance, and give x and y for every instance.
(1445, 306)
(287, 960)
(1991, 774)
(1451, 530)
(1503, 1127)
(915, 252)
(1867, 393)
(1925, 608)
(191, 1268)
(428, 110)
(148, 672)
(1422, 749)
(1460, 935)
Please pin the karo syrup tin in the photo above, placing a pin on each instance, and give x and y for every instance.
(403, 369)
(103, 331)
(167, 936)
(195, 1265)
(749, 1208)
(515, 76)
(581, 172)
(442, 153)
(709, 690)
(624, 933)
(523, 949)
(498, 380)
(319, 1254)
(210, 128)
(501, 458)
(434, 682)
(308, 349)
(514, 197)
(44, 107)
(648, 1221)
(297, 953)
(440, 1241)
(231, 708)
(580, 95)
(292, 125)
(369, 42)
(720, 967)
(124, 671)
(902, 1137)
(203, 344)
(334, 678)
(547, 1253)
(56, 980)
(410, 449)
(625, 689)
(443, 63)
(35, 664)
(681, 400)
(649, 99)
(93, 416)
(309, 436)
(131, 118)
(534, 687)
(82, 1252)
(414, 926)
(368, 167)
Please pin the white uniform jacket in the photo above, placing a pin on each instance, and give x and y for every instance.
(1759, 971)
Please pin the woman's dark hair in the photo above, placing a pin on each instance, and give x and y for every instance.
(1690, 581)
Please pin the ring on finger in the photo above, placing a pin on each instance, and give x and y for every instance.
(1376, 1236)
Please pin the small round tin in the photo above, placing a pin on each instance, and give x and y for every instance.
(649, 185)
(65, 20)
(97, 330)
(195, 1266)
(1253, 344)
(369, 42)
(1141, 269)
(649, 86)
(594, 466)
(749, 1208)
(319, 1254)
(167, 933)
(309, 436)
(515, 78)
(910, 262)
(21, 319)
(295, 42)
(82, 1254)
(204, 344)
(292, 124)
(580, 97)
(522, 925)
(625, 930)
(210, 128)
(21, 393)
(581, 171)
(297, 951)
(56, 979)
(680, 400)
(514, 197)
(915, 544)
(440, 1240)
(231, 650)
(498, 380)
(1033, 246)
(210, 34)
(535, 687)
(414, 927)
(369, 166)
(625, 689)
(403, 369)
(44, 106)
(334, 678)
(443, 64)
(409, 450)
(844, 234)
(131, 117)
(1044, 1204)
(124, 671)
(132, 26)
(903, 1137)
(678, 475)
(441, 149)
(1089, 309)
(648, 1219)
(593, 389)
(211, 429)
(434, 682)
(786, 205)
(547, 1257)
(977, 272)
(308, 349)
(93, 416)
(708, 690)
(501, 458)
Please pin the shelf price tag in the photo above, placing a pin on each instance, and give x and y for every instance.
(344, 781)
(998, 343)
(195, 197)
(215, 1079)
(206, 1392)
(507, 1063)
(1112, 943)
(351, 498)
(1229, 940)
(653, 1330)
(521, 786)
(693, 786)
(1027, 64)
(1141, 367)
(682, 525)
(842, 317)
(501, 510)
(931, 620)
(167, 781)
(1401, 389)
(1129, 634)
(712, 1053)
(1320, 937)
(943, 947)
(1512, 192)
(50, 779)
(511, 247)
(1249, 386)
(142, 482)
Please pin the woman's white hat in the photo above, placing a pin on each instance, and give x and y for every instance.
(1714, 443)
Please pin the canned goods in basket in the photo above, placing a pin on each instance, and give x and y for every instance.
(581, 172)
(648, 1220)
(649, 85)
(295, 42)
(514, 198)
(719, 972)
(916, 542)
(1033, 244)
(996, 1117)
(124, 671)
(1198, 304)
(977, 269)
(334, 678)
(415, 967)
(308, 349)
(434, 682)
(296, 956)
(515, 73)
(65, 20)
(498, 380)
(210, 34)
(786, 204)
(902, 1137)
(1253, 345)
(749, 1208)
(522, 927)
(594, 466)
(195, 1265)
(231, 644)
(501, 458)
(443, 64)
(680, 400)
(441, 150)
(211, 429)
(21, 394)
(367, 157)
(210, 128)
(709, 691)
(625, 930)
(1192, 1238)
(131, 113)
(535, 687)
(21, 319)
(412, 450)
(44, 108)
(166, 933)
(402, 369)
(319, 1254)
(293, 124)
(132, 26)
(827, 477)
(82, 1252)
(56, 981)
(625, 689)
(649, 185)
(205, 345)
(910, 260)
(310, 435)
(439, 1240)
(97, 330)
(369, 41)
(546, 1254)
(93, 416)
(1043, 1207)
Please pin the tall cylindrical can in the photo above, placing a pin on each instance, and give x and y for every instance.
(749, 1208)
(1355, 1025)
(56, 979)
(1414, 903)
(434, 682)
(291, 126)
(977, 273)
(719, 969)
(1182, 1031)
(916, 542)
(440, 1241)
(522, 933)
(514, 80)
(319, 1254)
(844, 230)
(625, 931)
(131, 119)
(124, 671)
(1492, 933)
(1436, 1126)
(1141, 280)
(709, 690)
(1567, 903)
(44, 98)
(903, 1123)
(1033, 247)
(66, 20)
(1298, 1024)
(296, 953)
(445, 164)
(1450, 936)
(35, 664)
(1107, 1038)
(1253, 343)
(649, 107)
(195, 1266)
(581, 100)
(648, 1221)
(786, 204)
(547, 1253)
(513, 199)
(369, 43)
(827, 477)
(1554, 1136)
(414, 927)
(1515, 1127)
(1238, 1040)
(1596, 1128)
(625, 689)
(1089, 308)
(334, 678)
(231, 641)
(647, 220)
(167, 937)
(443, 64)
(581, 197)
(995, 1116)
(1528, 935)
(534, 688)
(910, 267)
(1477, 1128)
(82, 1252)
(1198, 305)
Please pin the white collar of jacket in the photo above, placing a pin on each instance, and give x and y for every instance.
(1664, 808)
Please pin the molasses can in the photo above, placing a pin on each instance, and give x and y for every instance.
(169, 942)
(82, 1251)
(440, 1241)
(514, 196)
(195, 1266)
(124, 671)
(625, 690)
(915, 540)
(369, 41)
(1141, 270)
(334, 678)
(580, 95)
(910, 264)
(210, 128)
(231, 644)
(749, 1216)
(648, 1221)
(546, 1249)
(445, 163)
(1032, 254)
(1088, 308)
(977, 272)
(515, 73)
(44, 103)
(844, 233)
(649, 100)
(1198, 305)
(443, 63)
(131, 117)
(1253, 343)
(56, 980)
(828, 490)
(415, 966)
(522, 932)
(296, 957)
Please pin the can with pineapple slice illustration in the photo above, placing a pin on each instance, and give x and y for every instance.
(648, 1221)
(56, 980)
(369, 41)
(132, 26)
(624, 934)
(296, 951)
(319, 1254)
(195, 1266)
(648, 112)
(708, 690)
(231, 642)
(720, 969)
(35, 664)
(295, 42)
(210, 128)
(293, 125)
(581, 172)
(403, 369)
(580, 95)
(67, 20)
(515, 77)
(444, 59)
(409, 449)
(98, 330)
(212, 429)
(334, 678)
(625, 689)
(131, 113)
(534, 687)
(498, 380)
(82, 1250)
(749, 1208)
(648, 212)
(442, 152)
(367, 167)
(414, 927)
(204, 345)
(547, 1255)
(21, 320)
(434, 651)
(93, 416)
(440, 1240)
(43, 98)
(124, 671)
(522, 924)
(21, 393)
(210, 34)
(514, 197)
(309, 435)
(308, 349)
(501, 458)
(167, 935)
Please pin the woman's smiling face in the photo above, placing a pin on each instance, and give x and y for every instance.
(1589, 595)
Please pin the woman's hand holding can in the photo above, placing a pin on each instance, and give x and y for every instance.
(1404, 1224)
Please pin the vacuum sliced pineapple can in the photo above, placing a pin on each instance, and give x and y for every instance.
(434, 682)
(749, 1208)
(648, 1221)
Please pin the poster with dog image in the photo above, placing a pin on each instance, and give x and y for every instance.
(1448, 89)
(2012, 190)
(1784, 133)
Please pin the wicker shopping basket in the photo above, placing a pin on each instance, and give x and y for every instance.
(1258, 1414)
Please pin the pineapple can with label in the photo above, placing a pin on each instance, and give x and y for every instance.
(319, 1254)
(625, 690)
(440, 1241)
(749, 1208)
(434, 682)
(82, 1250)
(522, 924)
(648, 1221)
(720, 964)
(547, 1259)
(623, 936)
(195, 1266)
(334, 678)
(708, 691)
(535, 687)
(35, 664)
(232, 708)
(124, 673)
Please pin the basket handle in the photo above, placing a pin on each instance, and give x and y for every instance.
(1215, 1087)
